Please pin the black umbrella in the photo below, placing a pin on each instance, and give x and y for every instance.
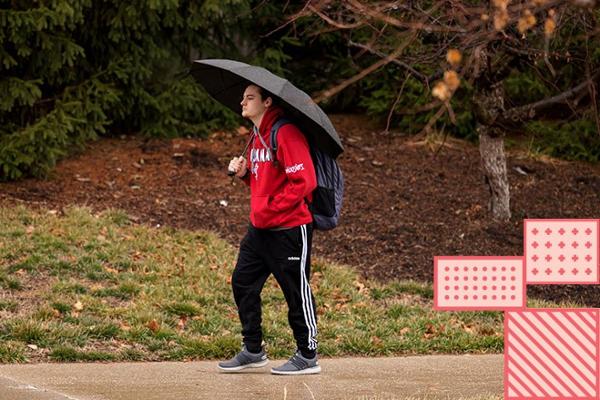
(226, 81)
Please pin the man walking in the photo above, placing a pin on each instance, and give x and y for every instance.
(279, 236)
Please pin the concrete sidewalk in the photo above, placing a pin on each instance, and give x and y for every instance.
(420, 377)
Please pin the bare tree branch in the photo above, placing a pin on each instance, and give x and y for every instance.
(488, 43)
(302, 13)
(432, 121)
(450, 112)
(526, 111)
(365, 10)
(376, 36)
(334, 23)
(389, 118)
(338, 88)
(586, 3)
(395, 61)
(593, 93)
(592, 84)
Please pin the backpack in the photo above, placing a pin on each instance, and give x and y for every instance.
(326, 204)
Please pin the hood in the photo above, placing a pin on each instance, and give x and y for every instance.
(271, 115)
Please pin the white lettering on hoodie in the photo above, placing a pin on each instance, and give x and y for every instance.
(294, 168)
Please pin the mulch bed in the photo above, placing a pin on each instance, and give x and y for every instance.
(405, 201)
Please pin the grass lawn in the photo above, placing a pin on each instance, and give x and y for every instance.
(97, 287)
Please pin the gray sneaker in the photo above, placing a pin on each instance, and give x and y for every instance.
(298, 365)
(244, 359)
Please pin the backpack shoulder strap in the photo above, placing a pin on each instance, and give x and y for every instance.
(274, 129)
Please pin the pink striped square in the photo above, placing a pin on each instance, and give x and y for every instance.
(478, 283)
(561, 251)
(552, 353)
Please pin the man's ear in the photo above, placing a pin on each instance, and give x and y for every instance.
(268, 102)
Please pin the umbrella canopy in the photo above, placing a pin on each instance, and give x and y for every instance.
(226, 81)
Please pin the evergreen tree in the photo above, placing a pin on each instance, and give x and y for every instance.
(73, 69)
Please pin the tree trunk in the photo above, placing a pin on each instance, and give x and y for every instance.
(491, 149)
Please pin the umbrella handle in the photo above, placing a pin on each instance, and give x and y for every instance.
(232, 173)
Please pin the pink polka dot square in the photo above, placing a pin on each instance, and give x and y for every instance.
(561, 251)
(479, 283)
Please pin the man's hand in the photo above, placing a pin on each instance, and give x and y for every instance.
(238, 166)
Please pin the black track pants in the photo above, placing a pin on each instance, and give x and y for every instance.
(285, 254)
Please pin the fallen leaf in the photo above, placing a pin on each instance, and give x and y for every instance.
(359, 286)
(78, 306)
(111, 270)
(430, 328)
(32, 346)
(232, 315)
(468, 328)
(404, 330)
(358, 305)
(362, 289)
(153, 325)
(182, 322)
(376, 341)
(486, 331)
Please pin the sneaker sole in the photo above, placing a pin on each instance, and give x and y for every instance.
(259, 364)
(306, 371)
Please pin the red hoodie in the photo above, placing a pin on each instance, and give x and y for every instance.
(278, 190)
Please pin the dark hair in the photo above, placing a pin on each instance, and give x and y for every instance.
(264, 94)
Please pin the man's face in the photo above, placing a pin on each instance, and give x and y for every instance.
(252, 104)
